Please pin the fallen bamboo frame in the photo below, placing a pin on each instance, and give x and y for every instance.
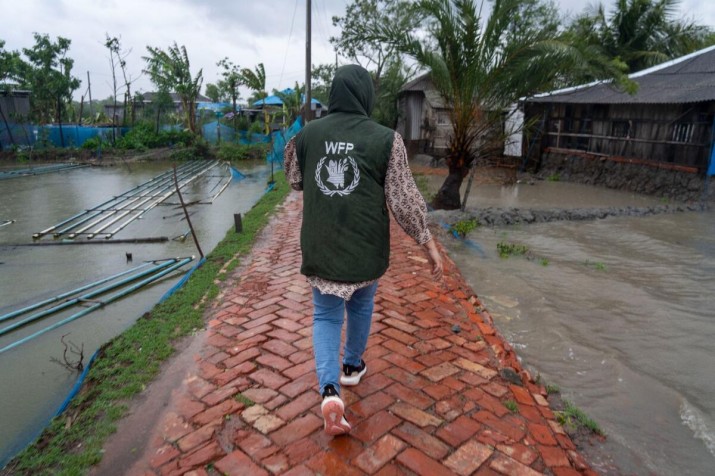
(174, 265)
(133, 204)
(28, 172)
(151, 239)
(113, 199)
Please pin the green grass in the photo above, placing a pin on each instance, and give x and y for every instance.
(422, 183)
(511, 406)
(573, 418)
(551, 389)
(511, 249)
(597, 265)
(463, 227)
(72, 443)
(554, 177)
(247, 402)
(544, 261)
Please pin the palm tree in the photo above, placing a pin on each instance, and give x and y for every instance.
(171, 71)
(642, 33)
(292, 102)
(256, 81)
(482, 65)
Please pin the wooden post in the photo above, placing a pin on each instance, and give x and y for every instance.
(308, 65)
(59, 119)
(558, 133)
(89, 90)
(186, 214)
(81, 108)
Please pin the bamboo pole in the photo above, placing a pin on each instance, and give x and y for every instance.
(151, 239)
(84, 297)
(166, 196)
(74, 217)
(154, 183)
(191, 227)
(59, 297)
(96, 306)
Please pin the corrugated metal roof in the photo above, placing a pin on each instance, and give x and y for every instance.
(420, 83)
(688, 79)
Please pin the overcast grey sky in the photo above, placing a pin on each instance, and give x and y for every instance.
(246, 31)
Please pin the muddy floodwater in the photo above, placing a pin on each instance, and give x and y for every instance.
(33, 385)
(617, 312)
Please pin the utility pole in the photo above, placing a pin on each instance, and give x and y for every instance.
(308, 99)
(89, 88)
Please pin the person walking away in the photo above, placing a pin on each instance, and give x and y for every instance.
(351, 170)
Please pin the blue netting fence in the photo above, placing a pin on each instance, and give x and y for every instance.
(25, 135)
(74, 136)
(281, 138)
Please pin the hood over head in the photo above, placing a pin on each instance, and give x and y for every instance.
(352, 91)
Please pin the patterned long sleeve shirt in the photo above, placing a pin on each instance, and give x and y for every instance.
(403, 199)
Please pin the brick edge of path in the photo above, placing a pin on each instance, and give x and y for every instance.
(432, 402)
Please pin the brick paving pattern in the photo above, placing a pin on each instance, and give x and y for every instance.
(432, 402)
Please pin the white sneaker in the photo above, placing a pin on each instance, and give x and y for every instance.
(351, 375)
(333, 410)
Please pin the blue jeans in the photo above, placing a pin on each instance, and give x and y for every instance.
(328, 315)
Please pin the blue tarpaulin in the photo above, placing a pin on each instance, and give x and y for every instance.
(277, 101)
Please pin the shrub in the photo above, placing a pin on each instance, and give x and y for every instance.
(231, 151)
(463, 227)
(511, 249)
(198, 150)
(256, 127)
(94, 143)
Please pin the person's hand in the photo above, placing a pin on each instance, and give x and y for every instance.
(435, 259)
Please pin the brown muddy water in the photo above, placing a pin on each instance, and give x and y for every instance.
(617, 312)
(32, 385)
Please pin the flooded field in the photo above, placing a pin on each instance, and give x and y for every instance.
(32, 273)
(617, 312)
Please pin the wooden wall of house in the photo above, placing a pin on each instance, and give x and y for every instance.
(15, 108)
(678, 134)
(424, 129)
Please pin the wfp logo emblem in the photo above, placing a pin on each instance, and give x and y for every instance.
(334, 183)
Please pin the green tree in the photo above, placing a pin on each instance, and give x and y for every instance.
(214, 93)
(396, 74)
(9, 61)
(47, 73)
(171, 71)
(118, 59)
(641, 33)
(255, 80)
(292, 102)
(359, 39)
(361, 42)
(481, 65)
(231, 80)
(322, 78)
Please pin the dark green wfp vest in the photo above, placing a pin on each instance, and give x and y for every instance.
(343, 158)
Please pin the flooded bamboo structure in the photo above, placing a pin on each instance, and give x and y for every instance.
(122, 284)
(43, 169)
(121, 210)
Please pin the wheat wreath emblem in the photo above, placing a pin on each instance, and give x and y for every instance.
(336, 176)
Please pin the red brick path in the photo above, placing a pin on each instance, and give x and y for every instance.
(432, 402)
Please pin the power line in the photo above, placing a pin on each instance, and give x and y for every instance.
(290, 36)
(323, 28)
